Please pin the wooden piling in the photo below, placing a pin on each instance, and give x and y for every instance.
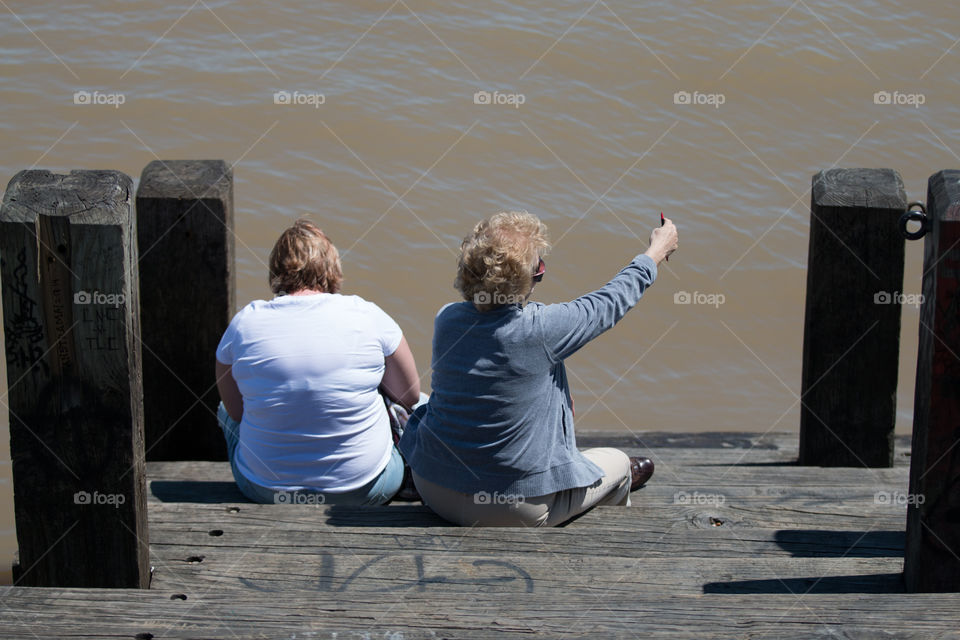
(68, 265)
(185, 227)
(932, 558)
(851, 332)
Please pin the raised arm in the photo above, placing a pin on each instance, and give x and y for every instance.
(401, 382)
(570, 325)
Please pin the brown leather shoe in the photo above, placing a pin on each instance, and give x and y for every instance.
(640, 469)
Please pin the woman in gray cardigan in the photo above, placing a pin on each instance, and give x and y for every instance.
(495, 444)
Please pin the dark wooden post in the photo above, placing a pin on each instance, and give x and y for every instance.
(932, 558)
(185, 227)
(68, 267)
(851, 335)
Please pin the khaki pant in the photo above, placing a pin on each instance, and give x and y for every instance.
(498, 510)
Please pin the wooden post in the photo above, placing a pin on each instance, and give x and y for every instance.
(851, 335)
(932, 558)
(68, 267)
(185, 234)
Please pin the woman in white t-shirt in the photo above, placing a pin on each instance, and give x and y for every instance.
(301, 377)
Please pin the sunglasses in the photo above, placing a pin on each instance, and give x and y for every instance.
(541, 269)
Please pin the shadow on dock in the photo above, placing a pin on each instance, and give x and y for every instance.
(196, 491)
(873, 583)
(815, 543)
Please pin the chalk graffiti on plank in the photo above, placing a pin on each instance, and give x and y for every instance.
(408, 572)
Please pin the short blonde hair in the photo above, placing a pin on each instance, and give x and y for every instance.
(497, 260)
(304, 258)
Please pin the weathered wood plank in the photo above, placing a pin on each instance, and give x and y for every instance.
(238, 615)
(764, 506)
(71, 320)
(606, 531)
(933, 524)
(668, 473)
(716, 447)
(202, 568)
(851, 334)
(757, 442)
(746, 507)
(185, 227)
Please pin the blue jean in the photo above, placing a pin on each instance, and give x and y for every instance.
(378, 491)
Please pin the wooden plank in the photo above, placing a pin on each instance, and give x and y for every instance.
(568, 576)
(173, 480)
(760, 506)
(933, 522)
(667, 474)
(756, 442)
(747, 510)
(185, 233)
(773, 505)
(716, 447)
(851, 336)
(70, 303)
(605, 531)
(213, 614)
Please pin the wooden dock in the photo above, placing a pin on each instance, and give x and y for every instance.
(730, 539)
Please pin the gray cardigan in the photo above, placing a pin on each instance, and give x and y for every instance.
(499, 418)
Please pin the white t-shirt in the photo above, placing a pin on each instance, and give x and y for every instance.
(308, 368)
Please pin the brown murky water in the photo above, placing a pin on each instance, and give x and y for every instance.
(596, 117)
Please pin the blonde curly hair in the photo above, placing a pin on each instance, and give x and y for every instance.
(498, 259)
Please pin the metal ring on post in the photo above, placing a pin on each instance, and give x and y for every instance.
(918, 214)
